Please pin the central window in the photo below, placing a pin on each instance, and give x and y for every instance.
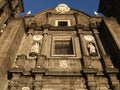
(63, 47)
(62, 23)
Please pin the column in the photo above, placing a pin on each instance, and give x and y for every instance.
(116, 87)
(115, 82)
(92, 87)
(99, 43)
(14, 82)
(38, 82)
(44, 43)
(40, 61)
(102, 50)
(91, 81)
(82, 43)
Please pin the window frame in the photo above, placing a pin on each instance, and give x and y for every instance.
(62, 38)
(57, 21)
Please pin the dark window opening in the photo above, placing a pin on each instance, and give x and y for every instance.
(62, 23)
(63, 47)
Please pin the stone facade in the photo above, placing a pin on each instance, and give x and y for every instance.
(60, 49)
(11, 32)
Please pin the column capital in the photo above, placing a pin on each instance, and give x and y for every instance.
(80, 31)
(95, 31)
(46, 26)
(45, 31)
(79, 26)
(93, 25)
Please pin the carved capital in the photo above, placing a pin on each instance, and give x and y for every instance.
(79, 26)
(93, 25)
(46, 26)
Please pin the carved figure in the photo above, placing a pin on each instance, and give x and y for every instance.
(34, 50)
(92, 49)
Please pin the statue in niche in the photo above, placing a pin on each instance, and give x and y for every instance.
(92, 49)
(35, 48)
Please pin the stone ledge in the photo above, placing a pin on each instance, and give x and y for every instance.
(64, 73)
(112, 70)
(16, 70)
(62, 28)
(90, 70)
(38, 70)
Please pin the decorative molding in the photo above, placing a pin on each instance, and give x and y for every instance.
(62, 8)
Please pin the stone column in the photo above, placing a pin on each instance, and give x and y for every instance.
(92, 87)
(91, 81)
(116, 87)
(14, 82)
(115, 82)
(40, 61)
(82, 43)
(99, 43)
(38, 82)
(44, 43)
(102, 50)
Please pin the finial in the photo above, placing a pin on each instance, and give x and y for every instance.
(28, 13)
(96, 14)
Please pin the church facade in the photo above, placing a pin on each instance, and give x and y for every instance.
(58, 49)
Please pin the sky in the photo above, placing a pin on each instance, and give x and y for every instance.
(35, 6)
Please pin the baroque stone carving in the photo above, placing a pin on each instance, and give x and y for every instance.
(25, 88)
(63, 64)
(92, 49)
(62, 8)
(89, 37)
(37, 37)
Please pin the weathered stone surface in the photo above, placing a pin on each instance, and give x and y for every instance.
(51, 50)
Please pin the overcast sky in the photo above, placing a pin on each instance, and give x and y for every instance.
(35, 6)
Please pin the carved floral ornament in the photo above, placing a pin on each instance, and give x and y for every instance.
(89, 37)
(37, 37)
(63, 64)
(25, 88)
(62, 8)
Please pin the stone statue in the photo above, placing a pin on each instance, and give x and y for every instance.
(92, 49)
(35, 49)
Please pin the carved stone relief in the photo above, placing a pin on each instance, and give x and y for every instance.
(62, 8)
(63, 64)
(92, 49)
(23, 62)
(25, 88)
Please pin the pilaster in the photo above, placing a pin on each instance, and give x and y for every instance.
(82, 42)
(45, 38)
